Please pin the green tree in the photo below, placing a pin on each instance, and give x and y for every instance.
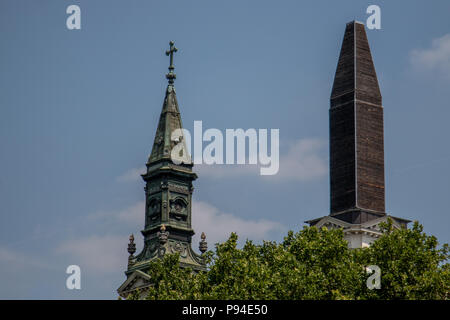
(411, 262)
(311, 264)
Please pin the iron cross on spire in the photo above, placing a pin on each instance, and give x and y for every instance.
(171, 76)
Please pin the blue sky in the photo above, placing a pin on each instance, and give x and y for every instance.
(79, 109)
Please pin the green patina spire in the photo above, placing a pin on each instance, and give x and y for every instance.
(168, 193)
(169, 120)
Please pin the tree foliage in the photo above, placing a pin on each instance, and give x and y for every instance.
(412, 264)
(311, 264)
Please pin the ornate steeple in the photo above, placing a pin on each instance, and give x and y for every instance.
(169, 122)
(168, 193)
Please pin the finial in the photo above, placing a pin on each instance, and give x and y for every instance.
(203, 247)
(162, 235)
(131, 246)
(171, 76)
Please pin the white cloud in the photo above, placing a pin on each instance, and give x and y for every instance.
(132, 215)
(226, 170)
(131, 175)
(102, 254)
(206, 218)
(107, 253)
(17, 260)
(302, 162)
(436, 58)
(218, 225)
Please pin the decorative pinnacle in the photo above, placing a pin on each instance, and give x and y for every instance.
(162, 235)
(131, 246)
(171, 76)
(203, 246)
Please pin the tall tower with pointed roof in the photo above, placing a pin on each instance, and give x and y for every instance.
(356, 132)
(357, 189)
(168, 195)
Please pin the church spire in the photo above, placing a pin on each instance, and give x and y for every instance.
(168, 197)
(169, 121)
(356, 132)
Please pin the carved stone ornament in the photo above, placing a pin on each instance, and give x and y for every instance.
(159, 139)
(177, 247)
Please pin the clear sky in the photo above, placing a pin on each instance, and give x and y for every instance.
(79, 109)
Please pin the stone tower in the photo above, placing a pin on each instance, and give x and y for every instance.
(168, 194)
(357, 190)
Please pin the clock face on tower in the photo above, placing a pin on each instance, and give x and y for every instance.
(178, 209)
